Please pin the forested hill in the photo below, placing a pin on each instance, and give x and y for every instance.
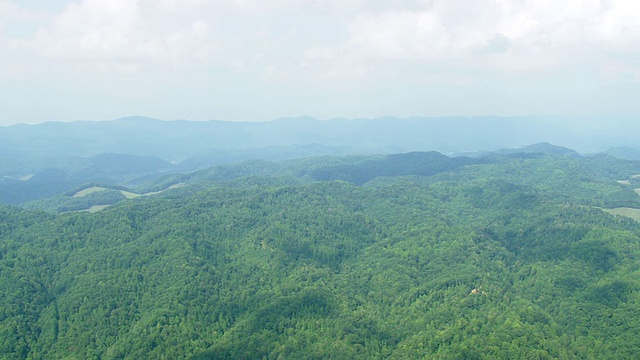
(47, 160)
(516, 257)
(551, 168)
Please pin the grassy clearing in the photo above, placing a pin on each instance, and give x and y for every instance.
(174, 186)
(130, 195)
(624, 182)
(88, 191)
(96, 208)
(625, 211)
(127, 194)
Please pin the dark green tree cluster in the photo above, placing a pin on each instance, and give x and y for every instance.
(502, 260)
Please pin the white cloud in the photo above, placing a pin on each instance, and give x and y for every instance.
(122, 34)
(11, 11)
(529, 34)
(11, 15)
(126, 35)
(496, 34)
(389, 49)
(7, 10)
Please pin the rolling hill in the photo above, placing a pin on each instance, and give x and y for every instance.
(401, 256)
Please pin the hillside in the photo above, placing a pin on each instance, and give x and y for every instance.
(41, 179)
(511, 258)
(135, 152)
(599, 180)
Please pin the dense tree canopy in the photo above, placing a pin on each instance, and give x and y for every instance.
(509, 259)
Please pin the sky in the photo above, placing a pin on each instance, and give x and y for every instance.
(253, 60)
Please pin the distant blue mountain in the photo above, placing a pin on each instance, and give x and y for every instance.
(40, 160)
(180, 140)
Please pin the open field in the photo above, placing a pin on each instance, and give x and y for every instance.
(174, 186)
(625, 211)
(96, 208)
(88, 191)
(127, 194)
(130, 195)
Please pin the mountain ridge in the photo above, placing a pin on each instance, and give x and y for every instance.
(444, 134)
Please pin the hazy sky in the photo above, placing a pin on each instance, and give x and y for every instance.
(264, 59)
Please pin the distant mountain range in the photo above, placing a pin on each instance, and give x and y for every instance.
(180, 140)
(44, 160)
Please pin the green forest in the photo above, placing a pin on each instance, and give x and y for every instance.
(407, 256)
